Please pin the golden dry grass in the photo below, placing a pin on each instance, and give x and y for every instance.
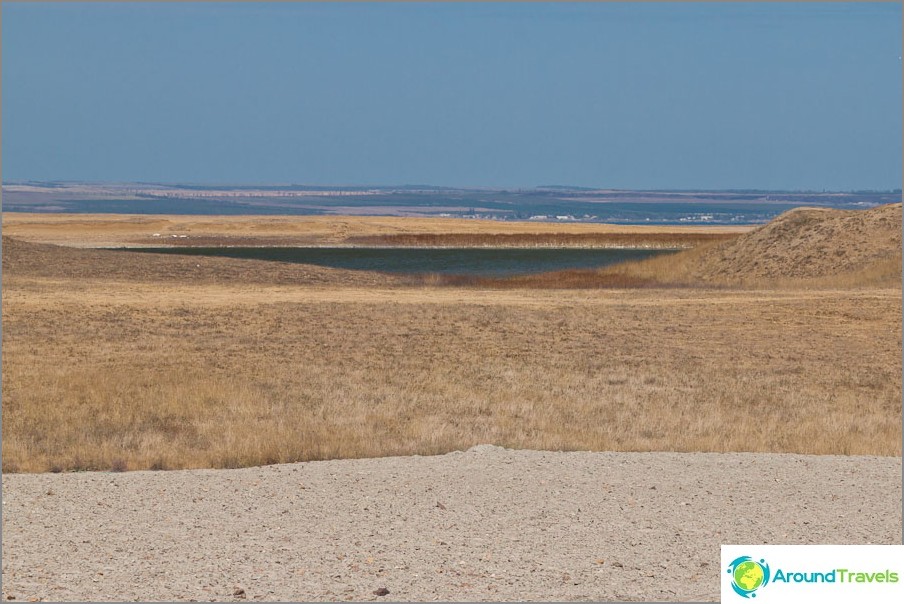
(152, 376)
(118, 360)
(73, 265)
(123, 230)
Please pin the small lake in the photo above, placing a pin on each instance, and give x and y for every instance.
(453, 261)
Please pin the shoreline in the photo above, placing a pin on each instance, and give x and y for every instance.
(396, 247)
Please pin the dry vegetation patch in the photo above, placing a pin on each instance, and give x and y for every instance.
(23, 259)
(115, 360)
(99, 380)
(124, 230)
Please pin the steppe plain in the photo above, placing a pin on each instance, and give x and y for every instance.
(757, 375)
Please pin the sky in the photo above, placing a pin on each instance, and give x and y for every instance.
(620, 95)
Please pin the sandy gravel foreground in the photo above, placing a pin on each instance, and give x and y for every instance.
(486, 524)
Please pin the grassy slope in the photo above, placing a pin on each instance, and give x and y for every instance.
(812, 246)
(23, 259)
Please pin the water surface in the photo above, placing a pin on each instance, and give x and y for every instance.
(452, 261)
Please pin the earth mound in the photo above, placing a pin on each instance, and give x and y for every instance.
(811, 243)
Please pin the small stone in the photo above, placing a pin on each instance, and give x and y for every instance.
(381, 592)
(239, 592)
(440, 505)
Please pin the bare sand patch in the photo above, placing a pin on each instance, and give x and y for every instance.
(486, 524)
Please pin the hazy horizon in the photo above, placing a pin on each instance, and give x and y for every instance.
(477, 187)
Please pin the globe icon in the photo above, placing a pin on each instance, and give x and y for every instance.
(748, 575)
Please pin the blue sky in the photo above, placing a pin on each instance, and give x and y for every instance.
(770, 96)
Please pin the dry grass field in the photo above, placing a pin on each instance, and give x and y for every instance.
(114, 360)
(112, 230)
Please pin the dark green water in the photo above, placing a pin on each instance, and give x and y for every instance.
(454, 261)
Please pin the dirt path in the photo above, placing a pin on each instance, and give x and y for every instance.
(486, 524)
